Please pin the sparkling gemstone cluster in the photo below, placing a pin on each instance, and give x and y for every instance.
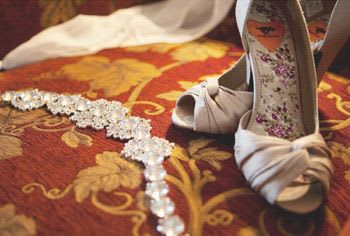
(142, 147)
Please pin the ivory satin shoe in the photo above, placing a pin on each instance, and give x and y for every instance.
(278, 146)
(217, 105)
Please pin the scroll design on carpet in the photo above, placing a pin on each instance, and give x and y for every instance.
(73, 138)
(116, 77)
(110, 173)
(191, 184)
(343, 106)
(13, 124)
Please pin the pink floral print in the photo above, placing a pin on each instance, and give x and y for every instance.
(274, 114)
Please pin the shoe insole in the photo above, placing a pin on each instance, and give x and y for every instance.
(277, 105)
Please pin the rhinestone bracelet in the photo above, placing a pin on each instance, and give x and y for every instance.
(141, 147)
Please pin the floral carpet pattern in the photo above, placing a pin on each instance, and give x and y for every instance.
(57, 179)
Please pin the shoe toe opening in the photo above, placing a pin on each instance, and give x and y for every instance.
(183, 114)
(301, 199)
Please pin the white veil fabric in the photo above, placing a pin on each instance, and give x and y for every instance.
(171, 21)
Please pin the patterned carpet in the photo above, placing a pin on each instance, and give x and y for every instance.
(60, 180)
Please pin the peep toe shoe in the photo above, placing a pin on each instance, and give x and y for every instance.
(278, 146)
(217, 105)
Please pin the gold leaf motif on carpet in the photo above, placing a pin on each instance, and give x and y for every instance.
(324, 86)
(73, 138)
(12, 224)
(200, 50)
(159, 48)
(10, 116)
(112, 77)
(340, 150)
(110, 173)
(10, 147)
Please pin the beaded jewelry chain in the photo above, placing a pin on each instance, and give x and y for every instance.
(142, 147)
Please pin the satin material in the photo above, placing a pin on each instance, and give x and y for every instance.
(271, 164)
(217, 109)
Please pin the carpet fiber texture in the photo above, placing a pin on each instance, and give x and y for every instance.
(57, 179)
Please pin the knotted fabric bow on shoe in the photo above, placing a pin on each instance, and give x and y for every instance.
(271, 164)
(215, 109)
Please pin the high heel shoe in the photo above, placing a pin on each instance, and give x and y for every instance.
(217, 105)
(278, 146)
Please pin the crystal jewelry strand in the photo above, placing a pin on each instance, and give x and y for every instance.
(141, 147)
